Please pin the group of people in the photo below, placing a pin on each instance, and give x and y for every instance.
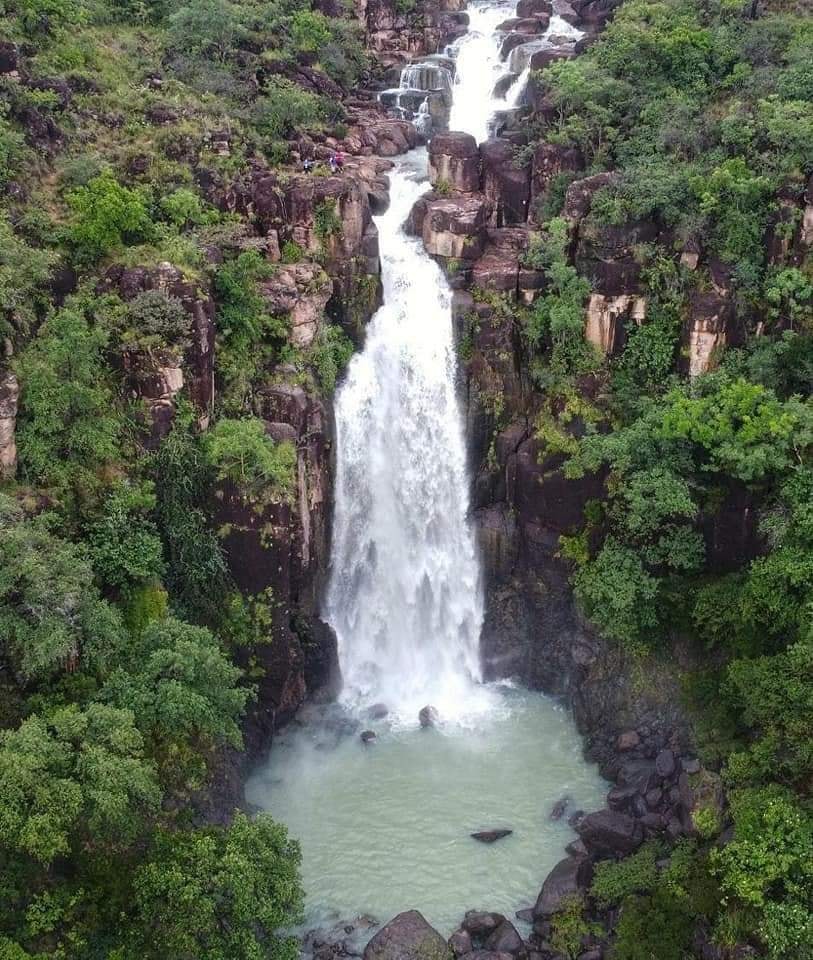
(336, 162)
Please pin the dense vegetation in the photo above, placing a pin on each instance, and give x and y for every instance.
(120, 625)
(705, 113)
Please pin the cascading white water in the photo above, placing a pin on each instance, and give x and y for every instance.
(404, 595)
(478, 68)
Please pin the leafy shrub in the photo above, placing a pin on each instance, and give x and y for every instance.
(106, 215)
(68, 426)
(285, 108)
(247, 333)
(48, 16)
(638, 873)
(156, 321)
(331, 354)
(242, 453)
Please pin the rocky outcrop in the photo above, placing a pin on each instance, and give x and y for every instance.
(9, 401)
(158, 378)
(454, 162)
(301, 291)
(395, 35)
(330, 219)
(550, 161)
(407, 937)
(277, 549)
(706, 331)
(505, 183)
(608, 319)
(455, 228)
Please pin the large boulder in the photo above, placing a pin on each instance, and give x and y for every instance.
(407, 937)
(9, 56)
(505, 182)
(567, 878)
(506, 939)
(609, 833)
(454, 161)
(455, 227)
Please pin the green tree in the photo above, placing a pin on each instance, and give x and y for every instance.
(768, 869)
(125, 547)
(219, 894)
(206, 26)
(182, 689)
(51, 614)
(75, 776)
(24, 275)
(68, 427)
(197, 576)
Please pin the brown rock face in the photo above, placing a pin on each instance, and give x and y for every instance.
(9, 399)
(395, 37)
(454, 161)
(455, 227)
(605, 254)
(506, 184)
(707, 330)
(302, 291)
(608, 317)
(550, 160)
(500, 267)
(329, 217)
(282, 547)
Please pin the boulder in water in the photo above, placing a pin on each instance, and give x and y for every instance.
(490, 836)
(566, 879)
(368, 736)
(460, 942)
(558, 809)
(505, 939)
(481, 924)
(407, 937)
(378, 711)
(428, 716)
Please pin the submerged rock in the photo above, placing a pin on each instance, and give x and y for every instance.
(378, 711)
(558, 809)
(490, 836)
(407, 937)
(428, 716)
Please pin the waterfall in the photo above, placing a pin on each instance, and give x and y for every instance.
(405, 594)
(478, 68)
